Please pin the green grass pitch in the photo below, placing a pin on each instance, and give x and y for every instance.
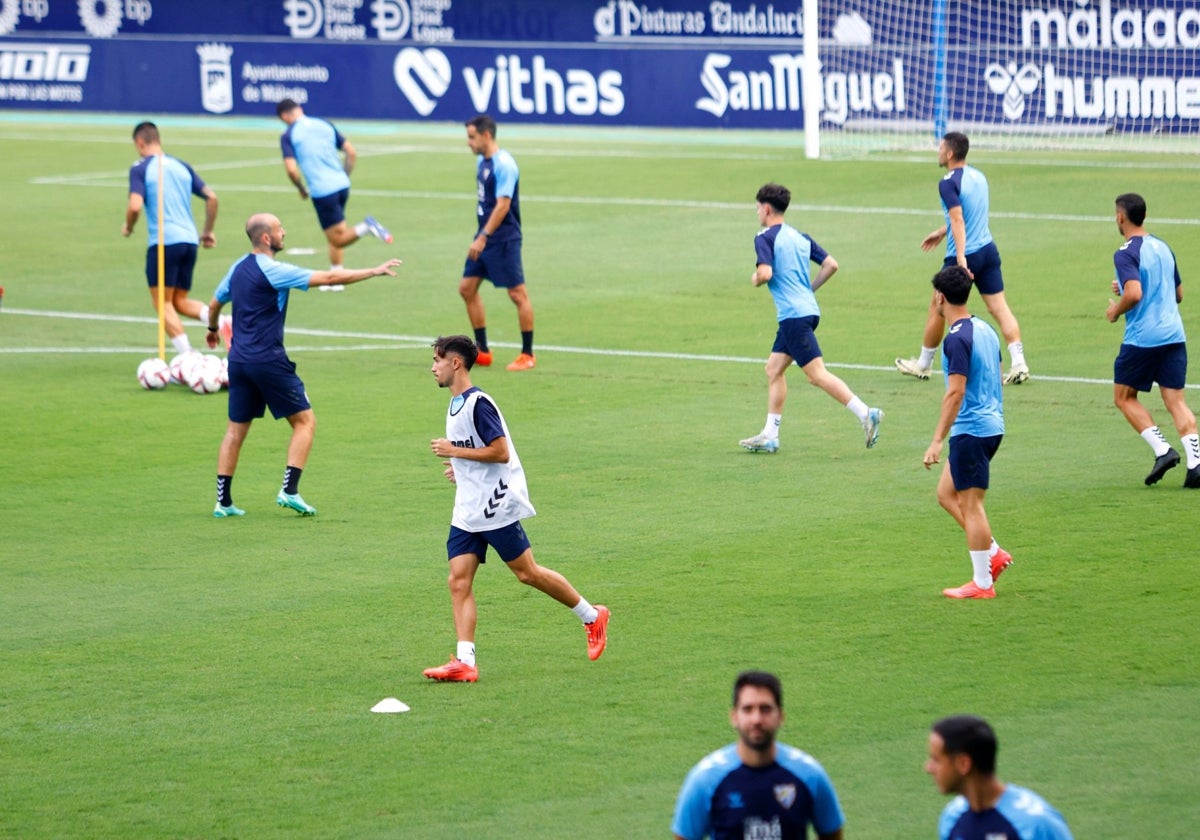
(171, 675)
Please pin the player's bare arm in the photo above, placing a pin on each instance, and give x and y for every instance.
(956, 387)
(958, 229)
(762, 274)
(346, 276)
(293, 171)
(828, 268)
(933, 238)
(132, 211)
(1131, 295)
(495, 452)
(209, 238)
(499, 213)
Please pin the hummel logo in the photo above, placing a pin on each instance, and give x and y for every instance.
(497, 498)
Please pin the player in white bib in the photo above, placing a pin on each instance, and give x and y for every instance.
(491, 498)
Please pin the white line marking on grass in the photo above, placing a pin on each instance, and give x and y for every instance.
(110, 180)
(420, 342)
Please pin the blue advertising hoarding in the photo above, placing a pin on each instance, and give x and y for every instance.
(701, 63)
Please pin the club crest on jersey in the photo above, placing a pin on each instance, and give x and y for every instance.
(785, 795)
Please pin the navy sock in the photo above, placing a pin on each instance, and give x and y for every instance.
(481, 339)
(291, 480)
(224, 490)
(527, 342)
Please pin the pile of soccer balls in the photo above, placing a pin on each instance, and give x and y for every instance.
(204, 373)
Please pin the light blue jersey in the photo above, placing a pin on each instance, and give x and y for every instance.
(1020, 814)
(971, 349)
(788, 252)
(498, 177)
(966, 187)
(258, 286)
(181, 183)
(724, 799)
(315, 143)
(1155, 320)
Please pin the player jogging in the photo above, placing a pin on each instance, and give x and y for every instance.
(490, 500)
(180, 237)
(1154, 348)
(964, 195)
(313, 153)
(973, 416)
(782, 255)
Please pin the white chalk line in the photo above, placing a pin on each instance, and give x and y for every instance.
(423, 342)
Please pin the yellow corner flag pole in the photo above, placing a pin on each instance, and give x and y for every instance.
(162, 268)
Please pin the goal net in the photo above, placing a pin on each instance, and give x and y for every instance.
(1103, 74)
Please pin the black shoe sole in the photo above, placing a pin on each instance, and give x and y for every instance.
(1161, 469)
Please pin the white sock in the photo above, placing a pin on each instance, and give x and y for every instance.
(337, 267)
(993, 548)
(859, 408)
(982, 566)
(204, 314)
(1158, 443)
(181, 343)
(1191, 448)
(362, 228)
(771, 430)
(466, 653)
(925, 360)
(1017, 351)
(586, 612)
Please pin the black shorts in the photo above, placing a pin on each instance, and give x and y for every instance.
(179, 261)
(254, 387)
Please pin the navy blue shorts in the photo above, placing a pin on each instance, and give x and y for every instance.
(985, 265)
(971, 460)
(331, 209)
(500, 262)
(1141, 367)
(797, 337)
(179, 260)
(254, 387)
(510, 542)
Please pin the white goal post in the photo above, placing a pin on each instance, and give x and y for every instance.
(1103, 74)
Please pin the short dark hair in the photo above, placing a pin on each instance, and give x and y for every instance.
(971, 736)
(777, 195)
(958, 144)
(483, 124)
(759, 679)
(954, 282)
(146, 131)
(460, 345)
(286, 106)
(1134, 207)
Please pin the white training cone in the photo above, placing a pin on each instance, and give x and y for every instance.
(389, 706)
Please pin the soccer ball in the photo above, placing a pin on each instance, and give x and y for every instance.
(181, 367)
(204, 377)
(153, 374)
(224, 371)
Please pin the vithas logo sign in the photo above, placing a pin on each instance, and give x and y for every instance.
(511, 85)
